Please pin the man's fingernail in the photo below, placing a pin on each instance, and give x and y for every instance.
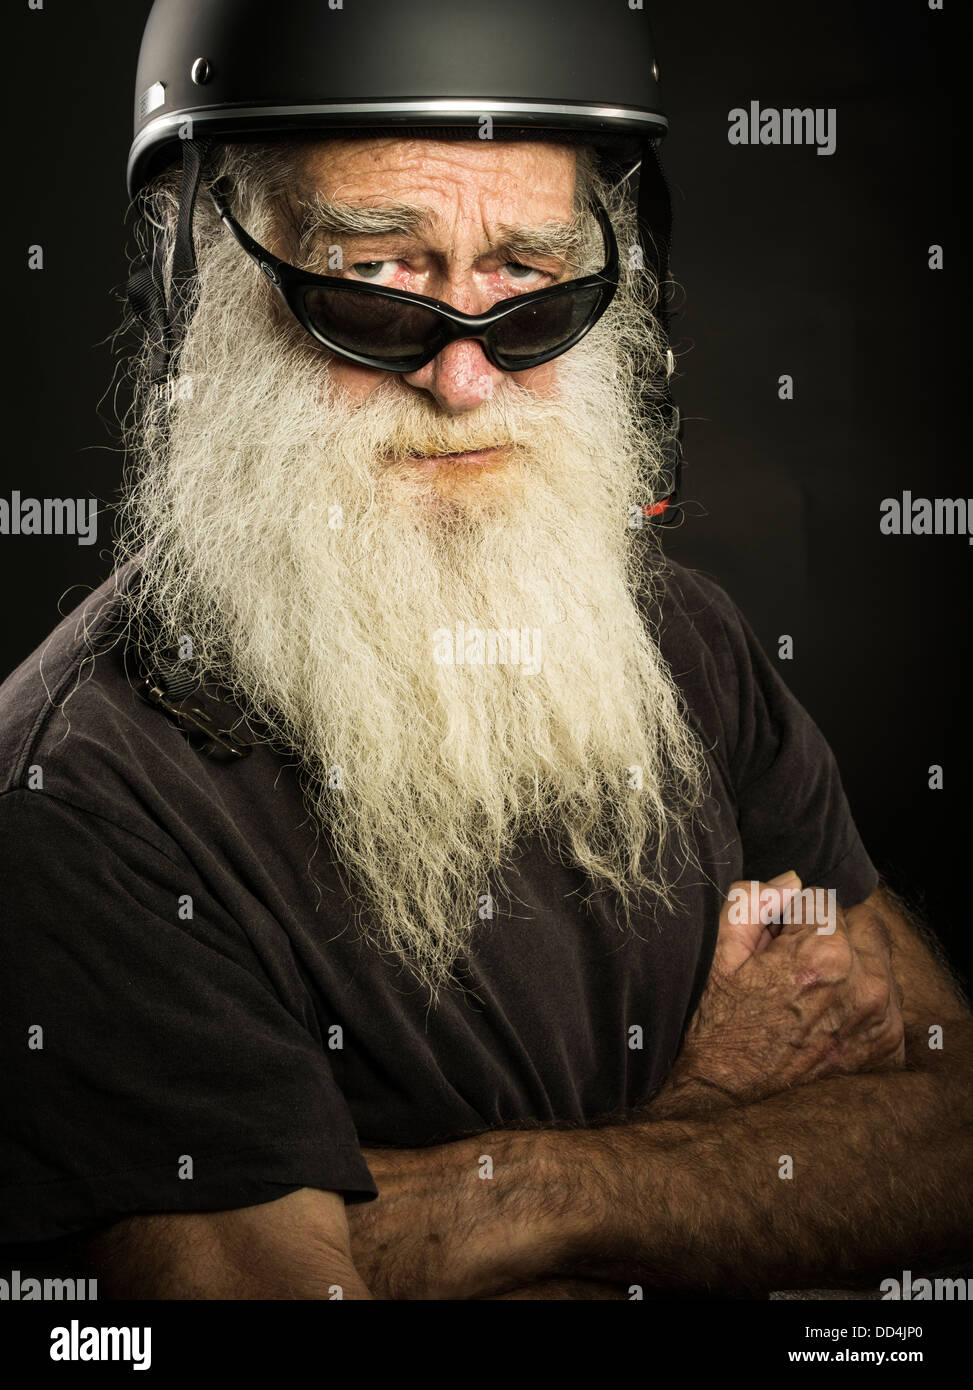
(781, 879)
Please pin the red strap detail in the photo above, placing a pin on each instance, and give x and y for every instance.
(655, 508)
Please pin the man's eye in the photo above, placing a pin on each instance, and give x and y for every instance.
(379, 272)
(522, 273)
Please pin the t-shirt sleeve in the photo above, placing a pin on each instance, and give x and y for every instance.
(150, 1061)
(792, 810)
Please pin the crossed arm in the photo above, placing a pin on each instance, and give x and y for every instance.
(817, 1128)
(835, 1179)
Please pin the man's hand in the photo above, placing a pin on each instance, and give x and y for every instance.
(786, 1004)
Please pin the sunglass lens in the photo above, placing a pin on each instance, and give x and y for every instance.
(541, 327)
(370, 325)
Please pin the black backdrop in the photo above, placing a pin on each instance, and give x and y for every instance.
(788, 261)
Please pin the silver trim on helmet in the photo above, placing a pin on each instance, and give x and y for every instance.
(162, 126)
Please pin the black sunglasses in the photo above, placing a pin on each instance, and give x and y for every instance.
(400, 332)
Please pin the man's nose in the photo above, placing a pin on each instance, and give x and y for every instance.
(460, 378)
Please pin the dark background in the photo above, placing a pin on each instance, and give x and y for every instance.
(788, 262)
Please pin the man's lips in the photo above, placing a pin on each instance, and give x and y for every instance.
(472, 458)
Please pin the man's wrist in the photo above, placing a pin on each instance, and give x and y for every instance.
(574, 1196)
(687, 1096)
(529, 1204)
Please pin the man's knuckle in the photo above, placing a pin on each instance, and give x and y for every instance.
(825, 959)
(874, 997)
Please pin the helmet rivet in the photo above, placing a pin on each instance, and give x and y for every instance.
(655, 71)
(201, 71)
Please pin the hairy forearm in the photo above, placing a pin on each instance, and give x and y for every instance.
(443, 1229)
(672, 1102)
(835, 1182)
(852, 1167)
(880, 1180)
(690, 1193)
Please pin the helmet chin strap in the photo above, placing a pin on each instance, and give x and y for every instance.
(655, 230)
(145, 287)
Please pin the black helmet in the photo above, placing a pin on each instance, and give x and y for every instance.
(243, 67)
(232, 70)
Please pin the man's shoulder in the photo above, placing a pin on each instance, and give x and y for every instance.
(63, 670)
(71, 720)
(707, 647)
(689, 610)
(82, 747)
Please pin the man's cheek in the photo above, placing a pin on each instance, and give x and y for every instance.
(542, 380)
(353, 382)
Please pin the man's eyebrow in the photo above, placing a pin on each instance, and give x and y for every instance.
(557, 241)
(321, 217)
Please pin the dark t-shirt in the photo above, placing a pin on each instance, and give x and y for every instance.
(224, 1055)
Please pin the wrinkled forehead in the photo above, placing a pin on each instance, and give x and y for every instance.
(534, 178)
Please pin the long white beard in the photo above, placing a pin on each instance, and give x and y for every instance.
(317, 581)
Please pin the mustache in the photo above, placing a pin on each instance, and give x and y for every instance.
(395, 428)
